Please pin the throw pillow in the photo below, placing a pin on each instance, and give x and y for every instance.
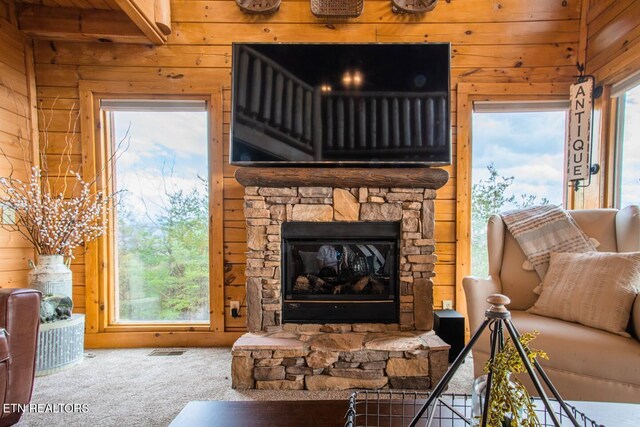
(595, 289)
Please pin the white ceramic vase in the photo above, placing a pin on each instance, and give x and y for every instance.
(51, 276)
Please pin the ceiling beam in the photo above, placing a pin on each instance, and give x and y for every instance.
(143, 14)
(53, 23)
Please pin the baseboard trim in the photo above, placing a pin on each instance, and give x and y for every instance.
(160, 339)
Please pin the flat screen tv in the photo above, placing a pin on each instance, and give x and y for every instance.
(340, 104)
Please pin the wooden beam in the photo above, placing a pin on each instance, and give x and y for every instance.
(69, 24)
(143, 14)
(432, 178)
(163, 16)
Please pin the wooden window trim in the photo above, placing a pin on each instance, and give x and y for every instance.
(467, 93)
(98, 259)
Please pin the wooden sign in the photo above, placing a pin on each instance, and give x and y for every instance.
(579, 131)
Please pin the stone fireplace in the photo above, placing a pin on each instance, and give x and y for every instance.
(339, 289)
(268, 208)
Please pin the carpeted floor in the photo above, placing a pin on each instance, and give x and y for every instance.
(130, 388)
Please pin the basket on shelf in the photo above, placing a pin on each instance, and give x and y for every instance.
(262, 7)
(337, 8)
(413, 6)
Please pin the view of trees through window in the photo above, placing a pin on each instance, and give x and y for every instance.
(518, 160)
(162, 241)
(630, 150)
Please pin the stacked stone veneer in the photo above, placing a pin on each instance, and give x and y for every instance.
(316, 360)
(266, 208)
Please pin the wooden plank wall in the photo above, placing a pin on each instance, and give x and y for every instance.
(17, 84)
(613, 39)
(506, 41)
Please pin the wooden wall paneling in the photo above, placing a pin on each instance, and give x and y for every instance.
(463, 197)
(216, 213)
(613, 40)
(513, 42)
(18, 132)
(94, 288)
(70, 53)
(582, 43)
(380, 11)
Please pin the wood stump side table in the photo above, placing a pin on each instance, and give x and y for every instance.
(60, 345)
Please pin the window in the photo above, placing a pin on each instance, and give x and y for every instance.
(161, 245)
(517, 161)
(627, 186)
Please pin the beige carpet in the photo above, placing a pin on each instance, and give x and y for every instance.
(130, 388)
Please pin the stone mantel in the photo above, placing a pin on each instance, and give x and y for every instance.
(425, 177)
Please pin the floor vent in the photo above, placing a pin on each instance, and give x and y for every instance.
(168, 352)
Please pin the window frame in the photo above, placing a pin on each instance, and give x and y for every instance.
(467, 94)
(144, 103)
(619, 99)
(528, 106)
(100, 328)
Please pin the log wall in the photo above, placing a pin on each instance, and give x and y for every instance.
(17, 86)
(506, 41)
(613, 39)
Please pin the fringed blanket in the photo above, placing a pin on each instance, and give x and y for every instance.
(540, 230)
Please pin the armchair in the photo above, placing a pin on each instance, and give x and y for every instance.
(20, 317)
(584, 363)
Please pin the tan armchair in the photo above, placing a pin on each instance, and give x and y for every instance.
(584, 363)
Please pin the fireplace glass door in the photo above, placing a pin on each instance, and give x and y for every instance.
(337, 272)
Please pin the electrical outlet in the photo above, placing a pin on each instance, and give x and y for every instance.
(234, 306)
(447, 304)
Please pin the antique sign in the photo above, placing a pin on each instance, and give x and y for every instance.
(579, 131)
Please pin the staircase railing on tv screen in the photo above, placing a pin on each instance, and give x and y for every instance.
(315, 125)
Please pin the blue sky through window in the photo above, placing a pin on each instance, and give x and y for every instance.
(528, 146)
(630, 190)
(167, 152)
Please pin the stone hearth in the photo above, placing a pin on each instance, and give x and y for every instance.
(314, 360)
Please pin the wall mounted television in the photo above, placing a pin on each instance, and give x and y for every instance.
(340, 104)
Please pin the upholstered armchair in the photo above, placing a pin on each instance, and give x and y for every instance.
(20, 319)
(584, 363)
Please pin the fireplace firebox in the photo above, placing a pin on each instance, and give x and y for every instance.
(340, 272)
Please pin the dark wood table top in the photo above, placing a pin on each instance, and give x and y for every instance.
(278, 413)
(331, 413)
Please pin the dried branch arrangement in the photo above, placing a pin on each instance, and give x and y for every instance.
(53, 224)
(56, 219)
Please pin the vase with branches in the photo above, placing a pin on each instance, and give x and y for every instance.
(57, 217)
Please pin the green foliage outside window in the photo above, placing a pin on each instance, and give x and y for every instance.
(163, 261)
(490, 197)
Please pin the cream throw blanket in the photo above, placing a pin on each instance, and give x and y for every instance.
(540, 230)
